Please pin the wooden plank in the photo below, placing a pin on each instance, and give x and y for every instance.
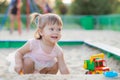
(105, 47)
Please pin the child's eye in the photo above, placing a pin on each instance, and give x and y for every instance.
(59, 29)
(51, 29)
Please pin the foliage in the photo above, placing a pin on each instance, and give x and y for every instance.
(23, 9)
(60, 7)
(117, 8)
(95, 7)
(3, 6)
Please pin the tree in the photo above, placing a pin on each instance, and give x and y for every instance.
(95, 7)
(60, 7)
(3, 6)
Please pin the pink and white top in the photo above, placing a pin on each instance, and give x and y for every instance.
(41, 58)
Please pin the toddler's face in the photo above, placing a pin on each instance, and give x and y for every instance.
(51, 33)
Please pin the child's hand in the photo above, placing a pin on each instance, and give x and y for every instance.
(18, 68)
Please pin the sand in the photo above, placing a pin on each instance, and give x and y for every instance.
(74, 55)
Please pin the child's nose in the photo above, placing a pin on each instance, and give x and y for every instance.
(56, 31)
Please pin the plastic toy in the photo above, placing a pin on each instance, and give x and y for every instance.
(21, 72)
(96, 64)
(110, 74)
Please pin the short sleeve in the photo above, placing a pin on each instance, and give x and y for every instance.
(30, 42)
(59, 50)
(33, 44)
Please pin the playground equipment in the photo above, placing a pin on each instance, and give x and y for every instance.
(6, 16)
(30, 7)
(96, 64)
(19, 15)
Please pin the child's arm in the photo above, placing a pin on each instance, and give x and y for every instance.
(19, 57)
(62, 66)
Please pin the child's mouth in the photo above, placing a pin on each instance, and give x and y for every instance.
(54, 37)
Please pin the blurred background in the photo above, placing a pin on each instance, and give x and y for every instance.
(76, 14)
(83, 20)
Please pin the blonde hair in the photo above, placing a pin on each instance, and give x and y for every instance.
(41, 20)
